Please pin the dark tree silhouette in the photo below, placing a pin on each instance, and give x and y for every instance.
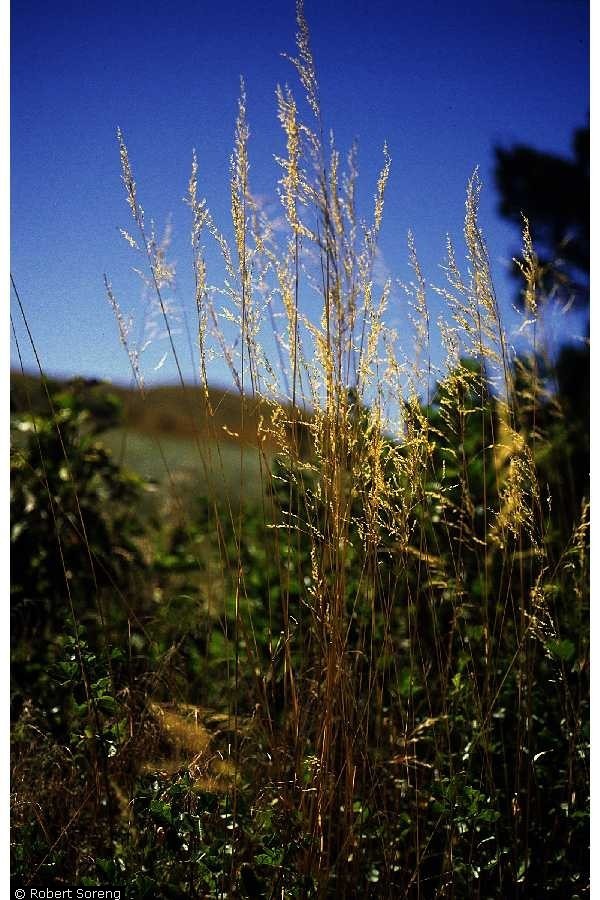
(554, 193)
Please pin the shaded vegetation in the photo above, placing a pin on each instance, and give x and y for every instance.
(131, 696)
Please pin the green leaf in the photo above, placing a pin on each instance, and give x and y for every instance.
(107, 704)
(161, 811)
(269, 858)
(563, 650)
(107, 868)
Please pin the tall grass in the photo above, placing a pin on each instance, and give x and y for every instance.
(383, 495)
(406, 699)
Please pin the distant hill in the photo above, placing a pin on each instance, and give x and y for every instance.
(169, 411)
(166, 433)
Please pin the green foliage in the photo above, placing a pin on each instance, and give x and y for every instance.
(75, 690)
(74, 532)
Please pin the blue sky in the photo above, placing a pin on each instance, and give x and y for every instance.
(442, 83)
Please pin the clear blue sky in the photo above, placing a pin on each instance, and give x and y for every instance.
(443, 83)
